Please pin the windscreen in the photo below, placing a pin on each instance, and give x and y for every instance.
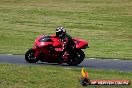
(45, 39)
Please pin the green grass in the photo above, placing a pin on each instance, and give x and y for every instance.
(106, 24)
(21, 76)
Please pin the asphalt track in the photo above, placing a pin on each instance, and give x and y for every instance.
(106, 64)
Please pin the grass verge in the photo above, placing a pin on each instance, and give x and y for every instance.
(21, 76)
(106, 24)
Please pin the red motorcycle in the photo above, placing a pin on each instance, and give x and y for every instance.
(48, 49)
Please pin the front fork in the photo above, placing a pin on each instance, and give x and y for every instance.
(37, 52)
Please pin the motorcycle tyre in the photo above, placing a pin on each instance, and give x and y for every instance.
(31, 51)
(73, 63)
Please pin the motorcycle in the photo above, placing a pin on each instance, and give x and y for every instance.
(48, 49)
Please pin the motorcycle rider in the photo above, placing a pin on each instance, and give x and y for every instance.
(65, 38)
(68, 43)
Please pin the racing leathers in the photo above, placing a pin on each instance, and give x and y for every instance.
(67, 45)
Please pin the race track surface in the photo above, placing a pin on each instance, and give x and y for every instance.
(107, 64)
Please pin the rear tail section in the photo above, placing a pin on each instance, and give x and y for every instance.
(80, 43)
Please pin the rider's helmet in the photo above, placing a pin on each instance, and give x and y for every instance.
(60, 32)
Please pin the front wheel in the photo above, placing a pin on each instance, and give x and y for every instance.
(29, 56)
(77, 58)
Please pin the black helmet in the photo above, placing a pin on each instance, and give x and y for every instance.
(60, 31)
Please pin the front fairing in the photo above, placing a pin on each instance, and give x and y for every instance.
(42, 41)
(45, 40)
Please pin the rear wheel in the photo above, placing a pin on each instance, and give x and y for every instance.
(29, 56)
(77, 58)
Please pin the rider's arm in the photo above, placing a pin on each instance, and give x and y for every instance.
(64, 43)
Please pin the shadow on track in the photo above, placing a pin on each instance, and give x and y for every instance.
(56, 64)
